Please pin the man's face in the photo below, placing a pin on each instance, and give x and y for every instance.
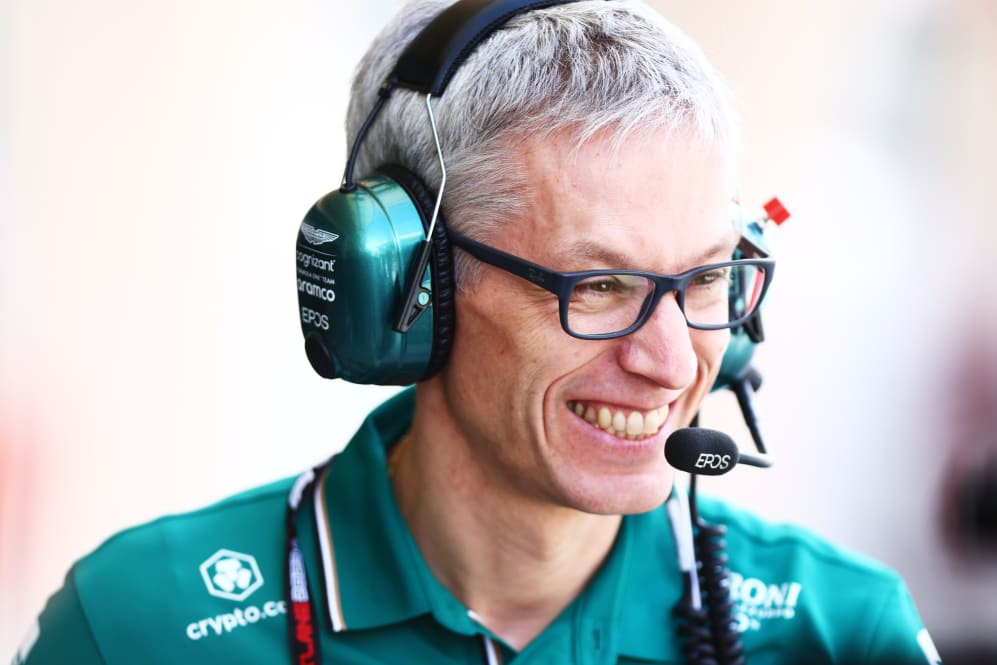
(523, 393)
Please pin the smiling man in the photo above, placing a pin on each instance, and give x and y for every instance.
(516, 505)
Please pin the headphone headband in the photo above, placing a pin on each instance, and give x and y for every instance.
(436, 53)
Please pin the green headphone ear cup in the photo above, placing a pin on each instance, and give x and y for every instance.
(355, 253)
(444, 313)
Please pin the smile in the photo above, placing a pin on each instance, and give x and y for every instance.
(625, 425)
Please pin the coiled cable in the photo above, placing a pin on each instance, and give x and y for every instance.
(707, 627)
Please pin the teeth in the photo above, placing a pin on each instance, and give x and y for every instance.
(651, 422)
(635, 425)
(619, 422)
(605, 418)
(590, 415)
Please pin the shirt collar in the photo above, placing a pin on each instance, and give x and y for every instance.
(374, 573)
(648, 586)
(378, 576)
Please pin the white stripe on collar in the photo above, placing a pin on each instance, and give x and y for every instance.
(491, 651)
(333, 604)
(681, 522)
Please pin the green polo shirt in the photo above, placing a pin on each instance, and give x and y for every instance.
(208, 587)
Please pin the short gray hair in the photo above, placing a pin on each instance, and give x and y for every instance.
(577, 68)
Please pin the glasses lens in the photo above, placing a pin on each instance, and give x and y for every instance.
(607, 304)
(724, 295)
(715, 296)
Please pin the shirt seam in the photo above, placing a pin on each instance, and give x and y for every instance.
(799, 541)
(86, 621)
(871, 638)
(219, 506)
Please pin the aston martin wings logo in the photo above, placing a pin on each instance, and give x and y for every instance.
(317, 236)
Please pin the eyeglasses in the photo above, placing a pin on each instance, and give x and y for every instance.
(602, 304)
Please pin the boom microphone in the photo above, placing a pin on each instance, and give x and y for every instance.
(707, 452)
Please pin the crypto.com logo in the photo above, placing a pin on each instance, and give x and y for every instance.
(231, 575)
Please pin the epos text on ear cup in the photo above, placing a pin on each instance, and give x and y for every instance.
(354, 252)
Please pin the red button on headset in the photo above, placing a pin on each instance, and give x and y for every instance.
(776, 211)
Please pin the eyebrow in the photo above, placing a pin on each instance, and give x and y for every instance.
(596, 252)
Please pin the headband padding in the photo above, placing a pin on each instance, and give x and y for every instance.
(441, 264)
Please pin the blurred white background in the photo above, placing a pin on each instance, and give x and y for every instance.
(156, 160)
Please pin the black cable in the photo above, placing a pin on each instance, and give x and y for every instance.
(382, 96)
(694, 622)
(715, 584)
(743, 388)
(694, 632)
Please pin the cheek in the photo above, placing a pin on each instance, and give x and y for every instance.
(710, 346)
(498, 317)
(500, 347)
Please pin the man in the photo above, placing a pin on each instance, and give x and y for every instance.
(510, 508)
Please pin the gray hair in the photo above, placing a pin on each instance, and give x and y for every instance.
(574, 69)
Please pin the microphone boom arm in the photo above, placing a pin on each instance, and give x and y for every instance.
(744, 387)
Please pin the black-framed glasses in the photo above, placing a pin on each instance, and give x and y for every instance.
(602, 304)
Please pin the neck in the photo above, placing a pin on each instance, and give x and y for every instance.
(517, 562)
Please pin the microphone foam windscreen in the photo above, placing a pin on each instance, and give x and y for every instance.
(699, 450)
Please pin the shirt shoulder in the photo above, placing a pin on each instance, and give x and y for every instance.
(770, 539)
(191, 587)
(756, 545)
(792, 587)
(61, 633)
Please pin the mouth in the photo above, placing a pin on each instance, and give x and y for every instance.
(621, 423)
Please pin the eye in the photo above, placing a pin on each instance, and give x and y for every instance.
(712, 278)
(609, 285)
(599, 285)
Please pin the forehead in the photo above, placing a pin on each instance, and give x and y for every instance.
(657, 200)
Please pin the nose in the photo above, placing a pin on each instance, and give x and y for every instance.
(662, 348)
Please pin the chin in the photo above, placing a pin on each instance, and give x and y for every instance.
(623, 496)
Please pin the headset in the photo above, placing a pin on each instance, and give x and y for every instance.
(374, 268)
